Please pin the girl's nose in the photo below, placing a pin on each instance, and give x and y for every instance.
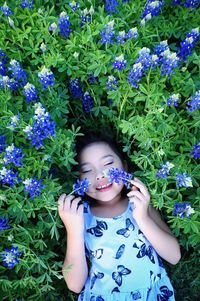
(100, 177)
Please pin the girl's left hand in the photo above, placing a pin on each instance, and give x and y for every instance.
(140, 197)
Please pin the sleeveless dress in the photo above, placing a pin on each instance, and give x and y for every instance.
(124, 265)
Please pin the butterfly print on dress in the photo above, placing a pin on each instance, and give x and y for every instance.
(94, 254)
(136, 295)
(98, 298)
(165, 294)
(95, 277)
(126, 231)
(121, 271)
(144, 251)
(98, 229)
(120, 252)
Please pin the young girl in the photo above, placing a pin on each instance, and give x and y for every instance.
(120, 233)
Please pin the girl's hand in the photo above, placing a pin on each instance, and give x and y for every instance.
(140, 197)
(71, 212)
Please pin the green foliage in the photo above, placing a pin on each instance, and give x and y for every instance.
(160, 133)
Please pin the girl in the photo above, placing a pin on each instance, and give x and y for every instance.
(120, 233)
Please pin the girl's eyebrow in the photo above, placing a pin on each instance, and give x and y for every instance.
(104, 157)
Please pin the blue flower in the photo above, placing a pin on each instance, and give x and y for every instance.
(183, 180)
(27, 3)
(183, 209)
(188, 43)
(135, 74)
(132, 33)
(80, 187)
(6, 10)
(64, 25)
(75, 88)
(160, 48)
(176, 2)
(191, 3)
(173, 100)
(17, 71)
(8, 176)
(117, 175)
(121, 37)
(11, 83)
(11, 257)
(52, 27)
(86, 15)
(46, 78)
(145, 58)
(33, 186)
(119, 63)
(152, 8)
(111, 6)
(13, 155)
(14, 122)
(169, 61)
(4, 223)
(108, 33)
(74, 5)
(92, 79)
(2, 143)
(30, 92)
(194, 102)
(87, 101)
(196, 150)
(111, 83)
(164, 171)
(3, 62)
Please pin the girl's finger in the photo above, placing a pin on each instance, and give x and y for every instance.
(137, 194)
(61, 198)
(141, 187)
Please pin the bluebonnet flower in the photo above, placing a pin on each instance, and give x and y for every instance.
(17, 71)
(111, 83)
(13, 155)
(52, 27)
(188, 43)
(14, 122)
(91, 79)
(74, 5)
(6, 10)
(173, 100)
(11, 257)
(80, 187)
(27, 3)
(119, 63)
(42, 127)
(11, 83)
(191, 3)
(152, 8)
(117, 175)
(194, 102)
(3, 62)
(164, 171)
(111, 6)
(64, 25)
(182, 209)
(176, 2)
(87, 101)
(196, 150)
(43, 47)
(30, 92)
(169, 61)
(183, 180)
(46, 78)
(86, 15)
(108, 33)
(8, 176)
(145, 58)
(2, 143)
(33, 186)
(121, 37)
(160, 48)
(132, 33)
(135, 74)
(4, 223)
(75, 88)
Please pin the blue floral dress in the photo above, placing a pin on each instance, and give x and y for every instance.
(124, 266)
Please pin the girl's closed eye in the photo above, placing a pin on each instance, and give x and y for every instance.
(86, 171)
(109, 163)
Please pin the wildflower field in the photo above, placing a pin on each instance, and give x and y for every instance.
(66, 67)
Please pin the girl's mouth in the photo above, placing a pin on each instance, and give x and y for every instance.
(104, 187)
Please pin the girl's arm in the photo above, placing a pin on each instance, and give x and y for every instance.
(151, 224)
(75, 268)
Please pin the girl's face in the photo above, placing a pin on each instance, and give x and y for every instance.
(94, 160)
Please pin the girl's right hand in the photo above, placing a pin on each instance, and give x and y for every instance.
(71, 213)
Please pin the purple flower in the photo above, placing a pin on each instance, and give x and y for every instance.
(117, 175)
(4, 223)
(169, 61)
(64, 25)
(108, 33)
(6, 10)
(183, 180)
(75, 88)
(30, 92)
(11, 257)
(121, 37)
(160, 48)
(42, 127)
(111, 83)
(74, 5)
(188, 43)
(92, 79)
(6, 82)
(164, 171)
(87, 101)
(196, 150)
(86, 16)
(2, 143)
(80, 187)
(191, 3)
(33, 186)
(194, 102)
(46, 78)
(182, 209)
(152, 8)
(8, 176)
(119, 63)
(145, 58)
(17, 71)
(132, 33)
(135, 74)
(3, 62)
(13, 155)
(27, 3)
(176, 2)
(111, 6)
(173, 100)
